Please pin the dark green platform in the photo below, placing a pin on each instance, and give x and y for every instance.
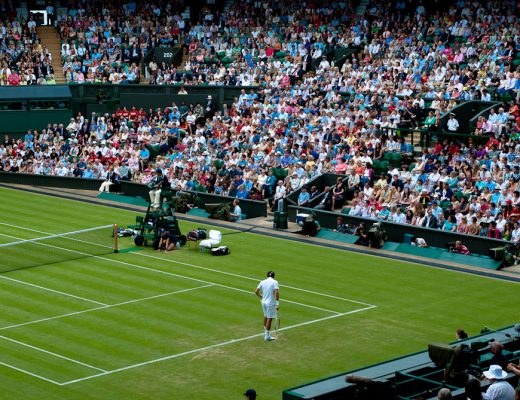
(121, 198)
(337, 236)
(198, 212)
(390, 246)
(445, 255)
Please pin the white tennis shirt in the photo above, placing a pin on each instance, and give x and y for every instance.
(268, 286)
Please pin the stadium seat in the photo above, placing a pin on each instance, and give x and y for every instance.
(384, 167)
(139, 221)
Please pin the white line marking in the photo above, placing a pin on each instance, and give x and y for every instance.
(52, 290)
(207, 269)
(228, 342)
(336, 314)
(166, 273)
(103, 307)
(52, 353)
(253, 279)
(30, 373)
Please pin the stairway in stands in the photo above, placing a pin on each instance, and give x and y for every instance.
(362, 6)
(51, 39)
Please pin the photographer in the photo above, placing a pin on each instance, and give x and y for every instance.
(512, 254)
(459, 248)
(419, 242)
(377, 235)
(363, 236)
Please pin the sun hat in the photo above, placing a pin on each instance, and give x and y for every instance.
(495, 372)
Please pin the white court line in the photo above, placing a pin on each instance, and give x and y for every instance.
(228, 342)
(112, 260)
(52, 290)
(253, 279)
(207, 269)
(30, 373)
(336, 314)
(52, 353)
(103, 307)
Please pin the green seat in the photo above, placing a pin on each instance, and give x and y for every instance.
(154, 150)
(139, 221)
(387, 156)
(384, 166)
(445, 204)
(166, 194)
(411, 167)
(395, 159)
(458, 195)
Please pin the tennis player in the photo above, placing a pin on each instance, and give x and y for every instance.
(268, 292)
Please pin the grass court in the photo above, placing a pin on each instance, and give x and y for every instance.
(142, 324)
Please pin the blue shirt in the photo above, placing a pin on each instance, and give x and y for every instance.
(144, 153)
(303, 197)
(242, 194)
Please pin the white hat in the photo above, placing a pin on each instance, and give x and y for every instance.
(495, 372)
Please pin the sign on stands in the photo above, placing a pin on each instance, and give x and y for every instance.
(165, 54)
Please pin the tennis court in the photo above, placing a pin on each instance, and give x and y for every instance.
(85, 323)
(109, 305)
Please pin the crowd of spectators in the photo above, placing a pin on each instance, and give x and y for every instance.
(270, 44)
(23, 59)
(103, 42)
(301, 121)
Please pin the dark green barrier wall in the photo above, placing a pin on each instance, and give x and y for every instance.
(434, 237)
(133, 95)
(50, 181)
(251, 208)
(16, 123)
(464, 112)
(148, 101)
(85, 99)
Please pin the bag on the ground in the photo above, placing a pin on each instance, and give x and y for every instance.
(197, 234)
(220, 251)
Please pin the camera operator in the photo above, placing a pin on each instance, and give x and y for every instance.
(459, 248)
(377, 235)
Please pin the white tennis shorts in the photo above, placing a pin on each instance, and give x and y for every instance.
(269, 310)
